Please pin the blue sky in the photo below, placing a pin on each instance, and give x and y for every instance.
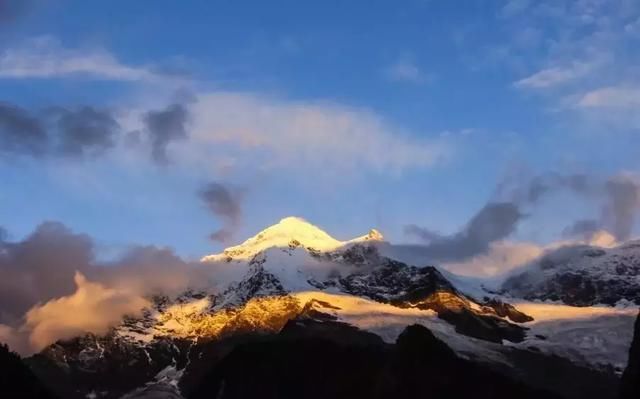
(351, 114)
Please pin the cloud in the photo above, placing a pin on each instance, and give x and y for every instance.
(555, 76)
(225, 203)
(494, 222)
(56, 267)
(504, 257)
(40, 267)
(618, 195)
(582, 228)
(85, 131)
(45, 57)
(514, 7)
(610, 97)
(92, 307)
(500, 258)
(405, 70)
(165, 126)
(482, 240)
(225, 130)
(20, 132)
(583, 60)
(298, 136)
(78, 132)
(619, 212)
(530, 190)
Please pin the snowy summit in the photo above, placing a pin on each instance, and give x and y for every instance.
(290, 230)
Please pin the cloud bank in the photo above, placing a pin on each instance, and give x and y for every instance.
(53, 287)
(92, 307)
(482, 245)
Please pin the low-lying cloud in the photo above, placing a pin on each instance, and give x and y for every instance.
(92, 307)
(54, 288)
(482, 239)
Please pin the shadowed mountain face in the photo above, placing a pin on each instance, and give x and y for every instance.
(298, 363)
(581, 275)
(17, 380)
(630, 384)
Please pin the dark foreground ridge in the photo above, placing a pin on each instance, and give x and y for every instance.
(17, 380)
(630, 384)
(353, 364)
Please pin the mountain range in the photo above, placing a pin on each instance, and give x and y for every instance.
(303, 314)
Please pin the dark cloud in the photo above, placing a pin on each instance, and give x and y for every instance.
(42, 267)
(85, 131)
(584, 228)
(524, 190)
(165, 126)
(20, 132)
(60, 132)
(623, 194)
(224, 202)
(52, 287)
(422, 233)
(619, 198)
(543, 185)
(494, 222)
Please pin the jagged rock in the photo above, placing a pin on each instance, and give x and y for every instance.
(426, 288)
(503, 309)
(581, 276)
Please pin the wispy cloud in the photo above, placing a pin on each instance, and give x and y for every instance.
(405, 70)
(610, 97)
(514, 7)
(582, 60)
(555, 76)
(303, 136)
(45, 57)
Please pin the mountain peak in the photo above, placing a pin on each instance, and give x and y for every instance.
(289, 231)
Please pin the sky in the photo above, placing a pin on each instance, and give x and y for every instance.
(195, 124)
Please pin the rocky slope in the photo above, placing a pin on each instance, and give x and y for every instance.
(581, 275)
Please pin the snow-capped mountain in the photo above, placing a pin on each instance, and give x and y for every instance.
(294, 274)
(582, 275)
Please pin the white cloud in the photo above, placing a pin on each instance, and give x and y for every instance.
(555, 76)
(45, 57)
(405, 70)
(264, 132)
(610, 97)
(502, 257)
